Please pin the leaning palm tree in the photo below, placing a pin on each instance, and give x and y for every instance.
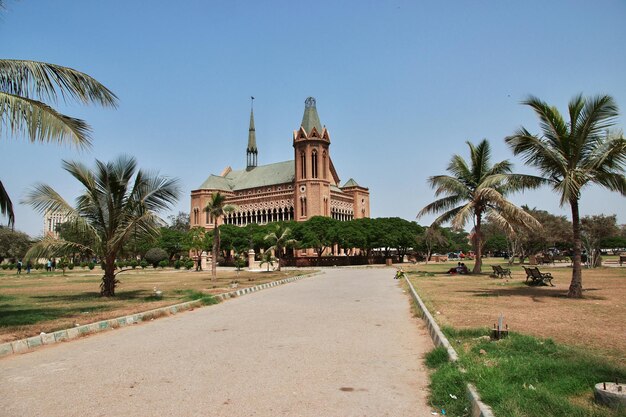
(25, 87)
(119, 202)
(280, 240)
(572, 154)
(217, 207)
(476, 191)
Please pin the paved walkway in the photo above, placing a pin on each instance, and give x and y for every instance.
(339, 344)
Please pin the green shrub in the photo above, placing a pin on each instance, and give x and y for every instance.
(39, 266)
(121, 264)
(84, 264)
(70, 266)
(133, 264)
(155, 255)
(91, 265)
(164, 263)
(143, 264)
(11, 267)
(189, 264)
(5, 266)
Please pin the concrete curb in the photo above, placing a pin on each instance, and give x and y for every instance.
(479, 409)
(31, 343)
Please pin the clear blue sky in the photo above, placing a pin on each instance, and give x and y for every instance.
(401, 85)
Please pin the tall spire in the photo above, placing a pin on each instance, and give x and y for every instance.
(251, 151)
(310, 119)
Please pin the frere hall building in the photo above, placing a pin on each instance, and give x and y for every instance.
(299, 189)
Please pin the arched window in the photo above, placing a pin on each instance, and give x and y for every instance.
(324, 165)
(303, 165)
(314, 164)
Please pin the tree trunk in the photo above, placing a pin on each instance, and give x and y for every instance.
(216, 245)
(107, 287)
(478, 250)
(278, 256)
(576, 286)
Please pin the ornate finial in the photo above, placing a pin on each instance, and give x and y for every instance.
(251, 102)
(309, 102)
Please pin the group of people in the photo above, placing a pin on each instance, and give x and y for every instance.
(459, 269)
(20, 265)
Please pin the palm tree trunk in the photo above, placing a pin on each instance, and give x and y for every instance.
(107, 287)
(478, 250)
(576, 286)
(216, 244)
(278, 253)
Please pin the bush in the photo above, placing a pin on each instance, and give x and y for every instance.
(11, 266)
(177, 264)
(70, 266)
(91, 265)
(5, 266)
(164, 263)
(155, 255)
(84, 264)
(189, 264)
(133, 264)
(121, 264)
(143, 264)
(39, 266)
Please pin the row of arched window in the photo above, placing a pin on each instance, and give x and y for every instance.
(314, 165)
(262, 216)
(343, 215)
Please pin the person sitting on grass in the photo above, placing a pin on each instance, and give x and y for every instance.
(462, 269)
(455, 270)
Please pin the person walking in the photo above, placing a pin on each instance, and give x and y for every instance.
(28, 266)
(19, 267)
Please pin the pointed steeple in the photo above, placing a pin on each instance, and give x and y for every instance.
(310, 119)
(251, 151)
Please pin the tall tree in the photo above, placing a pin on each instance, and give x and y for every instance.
(572, 154)
(476, 191)
(217, 207)
(280, 238)
(595, 230)
(25, 87)
(118, 202)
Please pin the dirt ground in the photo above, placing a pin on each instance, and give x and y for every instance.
(56, 301)
(596, 322)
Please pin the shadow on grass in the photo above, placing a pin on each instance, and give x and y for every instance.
(92, 296)
(11, 315)
(535, 293)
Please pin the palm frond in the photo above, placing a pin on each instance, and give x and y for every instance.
(49, 247)
(6, 206)
(43, 198)
(47, 82)
(40, 122)
(447, 185)
(443, 204)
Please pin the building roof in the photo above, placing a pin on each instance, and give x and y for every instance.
(310, 118)
(251, 134)
(350, 183)
(260, 176)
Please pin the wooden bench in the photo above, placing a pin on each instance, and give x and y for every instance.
(501, 272)
(537, 277)
(622, 259)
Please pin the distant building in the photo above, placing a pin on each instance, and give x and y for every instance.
(297, 190)
(52, 219)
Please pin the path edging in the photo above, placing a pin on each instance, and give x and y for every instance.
(34, 342)
(479, 408)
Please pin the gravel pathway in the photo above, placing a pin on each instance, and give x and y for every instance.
(338, 344)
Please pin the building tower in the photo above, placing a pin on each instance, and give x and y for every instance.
(312, 166)
(251, 151)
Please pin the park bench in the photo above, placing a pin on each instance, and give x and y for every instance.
(501, 272)
(537, 277)
(622, 258)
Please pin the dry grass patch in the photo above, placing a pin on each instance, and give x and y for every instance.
(596, 322)
(45, 302)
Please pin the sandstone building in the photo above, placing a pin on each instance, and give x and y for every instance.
(297, 190)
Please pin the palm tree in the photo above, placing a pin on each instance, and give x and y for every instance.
(25, 87)
(280, 240)
(118, 203)
(217, 207)
(478, 191)
(573, 154)
(267, 258)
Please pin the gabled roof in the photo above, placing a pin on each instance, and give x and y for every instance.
(260, 176)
